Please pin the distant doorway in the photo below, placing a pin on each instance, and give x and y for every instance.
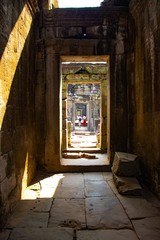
(84, 114)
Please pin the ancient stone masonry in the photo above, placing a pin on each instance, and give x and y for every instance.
(17, 134)
(83, 32)
(145, 86)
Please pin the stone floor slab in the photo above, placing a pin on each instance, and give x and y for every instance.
(147, 228)
(28, 219)
(73, 180)
(137, 207)
(42, 234)
(97, 189)
(106, 234)
(107, 176)
(37, 205)
(69, 192)
(68, 213)
(106, 212)
(112, 186)
(93, 176)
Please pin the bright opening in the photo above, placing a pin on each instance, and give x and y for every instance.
(79, 4)
(83, 111)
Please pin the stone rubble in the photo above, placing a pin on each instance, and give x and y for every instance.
(126, 169)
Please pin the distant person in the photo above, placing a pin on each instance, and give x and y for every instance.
(84, 121)
(79, 121)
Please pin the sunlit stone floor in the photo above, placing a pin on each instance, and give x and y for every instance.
(82, 206)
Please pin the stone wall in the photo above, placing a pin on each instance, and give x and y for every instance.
(95, 32)
(17, 121)
(145, 85)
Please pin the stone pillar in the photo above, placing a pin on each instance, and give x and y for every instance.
(69, 133)
(64, 116)
(52, 141)
(104, 115)
(73, 115)
(64, 125)
(40, 103)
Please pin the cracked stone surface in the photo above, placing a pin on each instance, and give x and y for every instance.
(28, 219)
(69, 180)
(102, 213)
(148, 228)
(107, 234)
(42, 234)
(37, 205)
(137, 207)
(93, 177)
(97, 189)
(68, 213)
(82, 206)
(69, 192)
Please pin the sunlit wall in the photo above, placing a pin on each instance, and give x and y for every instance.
(78, 4)
(17, 157)
(11, 56)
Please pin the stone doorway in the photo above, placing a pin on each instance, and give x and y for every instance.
(85, 86)
(83, 116)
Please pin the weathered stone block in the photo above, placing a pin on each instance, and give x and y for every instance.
(3, 165)
(7, 185)
(127, 185)
(6, 141)
(126, 165)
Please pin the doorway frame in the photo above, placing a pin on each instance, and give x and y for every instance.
(101, 58)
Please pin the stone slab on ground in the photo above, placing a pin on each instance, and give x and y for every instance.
(68, 213)
(69, 192)
(97, 189)
(113, 186)
(106, 212)
(138, 207)
(127, 185)
(73, 180)
(41, 234)
(37, 205)
(108, 176)
(96, 176)
(148, 228)
(28, 219)
(126, 165)
(107, 234)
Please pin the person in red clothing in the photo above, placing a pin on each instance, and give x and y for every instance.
(84, 121)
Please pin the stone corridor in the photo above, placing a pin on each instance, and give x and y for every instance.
(50, 57)
(82, 206)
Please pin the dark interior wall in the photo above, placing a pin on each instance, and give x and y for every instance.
(17, 120)
(145, 89)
